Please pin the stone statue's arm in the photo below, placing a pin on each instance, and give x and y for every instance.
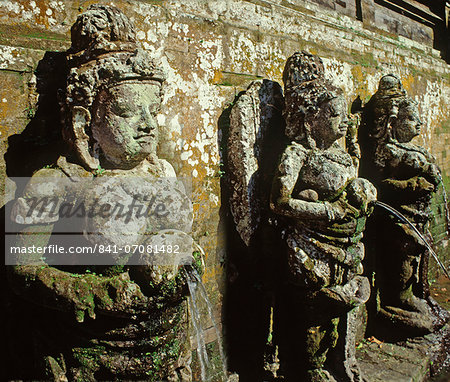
(351, 139)
(308, 207)
(34, 280)
(78, 293)
(35, 213)
(423, 164)
(419, 166)
(417, 185)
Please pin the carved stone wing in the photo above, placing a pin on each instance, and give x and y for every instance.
(255, 120)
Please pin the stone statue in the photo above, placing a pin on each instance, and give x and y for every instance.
(106, 321)
(324, 205)
(254, 141)
(406, 177)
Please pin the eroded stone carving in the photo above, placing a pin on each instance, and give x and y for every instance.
(249, 144)
(253, 144)
(325, 205)
(318, 205)
(406, 176)
(108, 322)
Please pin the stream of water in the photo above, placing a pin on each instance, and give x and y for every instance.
(198, 298)
(403, 218)
(447, 213)
(197, 325)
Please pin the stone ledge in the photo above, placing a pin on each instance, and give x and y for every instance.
(415, 360)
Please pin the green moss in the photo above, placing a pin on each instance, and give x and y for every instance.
(236, 79)
(198, 262)
(216, 363)
(89, 358)
(429, 73)
(157, 358)
(30, 112)
(32, 37)
(114, 270)
(366, 60)
(444, 127)
(160, 358)
(334, 333)
(23, 31)
(44, 35)
(99, 171)
(169, 287)
(221, 171)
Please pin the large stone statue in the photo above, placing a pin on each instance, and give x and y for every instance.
(406, 177)
(301, 219)
(324, 204)
(110, 321)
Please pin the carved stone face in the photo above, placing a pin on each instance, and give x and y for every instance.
(407, 125)
(331, 123)
(124, 122)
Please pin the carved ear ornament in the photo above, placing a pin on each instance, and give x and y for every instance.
(393, 114)
(81, 120)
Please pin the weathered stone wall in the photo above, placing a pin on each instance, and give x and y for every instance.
(211, 50)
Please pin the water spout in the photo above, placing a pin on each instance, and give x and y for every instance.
(403, 218)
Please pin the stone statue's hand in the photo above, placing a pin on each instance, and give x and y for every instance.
(433, 174)
(417, 185)
(424, 185)
(360, 194)
(341, 210)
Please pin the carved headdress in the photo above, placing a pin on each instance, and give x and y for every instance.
(104, 53)
(305, 90)
(383, 108)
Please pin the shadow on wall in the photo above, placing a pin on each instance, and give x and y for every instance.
(39, 145)
(253, 257)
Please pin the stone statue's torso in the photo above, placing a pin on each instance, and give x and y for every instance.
(402, 161)
(327, 172)
(393, 157)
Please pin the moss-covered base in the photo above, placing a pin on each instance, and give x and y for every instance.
(148, 342)
(414, 360)
(150, 349)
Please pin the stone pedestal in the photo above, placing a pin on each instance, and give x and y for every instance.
(415, 360)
